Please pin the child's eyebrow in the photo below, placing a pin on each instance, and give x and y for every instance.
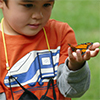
(27, 0)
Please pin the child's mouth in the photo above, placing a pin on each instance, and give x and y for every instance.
(34, 26)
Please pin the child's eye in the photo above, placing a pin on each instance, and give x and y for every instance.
(47, 5)
(28, 5)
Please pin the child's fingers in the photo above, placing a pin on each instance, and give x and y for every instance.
(75, 56)
(95, 52)
(78, 56)
(94, 46)
(71, 57)
(90, 54)
(87, 55)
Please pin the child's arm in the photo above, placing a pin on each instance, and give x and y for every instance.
(73, 81)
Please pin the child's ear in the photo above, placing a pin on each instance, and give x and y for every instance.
(1, 4)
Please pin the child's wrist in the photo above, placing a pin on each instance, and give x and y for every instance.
(75, 66)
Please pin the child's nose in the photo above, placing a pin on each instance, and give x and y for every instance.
(37, 15)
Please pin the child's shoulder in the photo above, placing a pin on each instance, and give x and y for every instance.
(57, 23)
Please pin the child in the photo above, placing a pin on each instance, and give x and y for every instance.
(32, 47)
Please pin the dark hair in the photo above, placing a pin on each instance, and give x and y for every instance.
(6, 1)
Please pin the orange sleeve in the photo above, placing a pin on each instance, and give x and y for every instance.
(63, 34)
(68, 36)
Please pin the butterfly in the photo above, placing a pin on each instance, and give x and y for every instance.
(82, 47)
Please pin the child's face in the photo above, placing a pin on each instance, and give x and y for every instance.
(26, 17)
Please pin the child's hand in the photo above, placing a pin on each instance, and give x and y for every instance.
(76, 60)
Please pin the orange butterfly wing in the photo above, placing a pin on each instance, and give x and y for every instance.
(82, 47)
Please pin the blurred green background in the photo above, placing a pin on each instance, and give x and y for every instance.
(84, 17)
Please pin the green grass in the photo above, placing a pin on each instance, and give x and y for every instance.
(81, 15)
(84, 17)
